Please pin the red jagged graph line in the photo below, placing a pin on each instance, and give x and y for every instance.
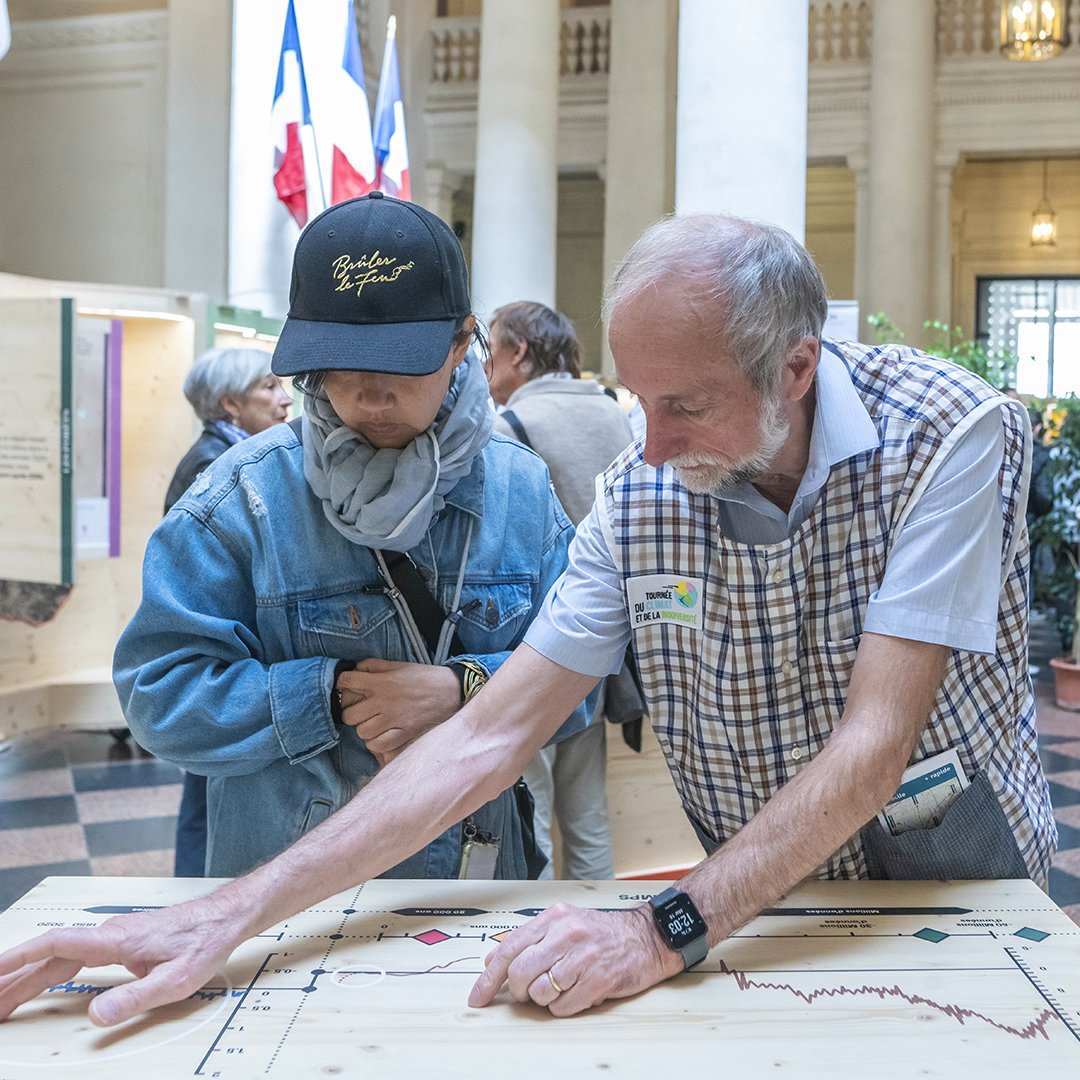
(957, 1012)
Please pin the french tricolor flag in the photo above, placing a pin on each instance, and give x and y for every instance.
(290, 112)
(391, 149)
(354, 155)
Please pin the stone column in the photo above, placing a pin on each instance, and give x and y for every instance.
(901, 156)
(741, 121)
(516, 194)
(640, 126)
(414, 59)
(440, 184)
(197, 147)
(942, 241)
(858, 164)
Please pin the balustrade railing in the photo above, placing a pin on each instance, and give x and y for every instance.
(968, 27)
(840, 32)
(455, 56)
(972, 27)
(585, 42)
(584, 46)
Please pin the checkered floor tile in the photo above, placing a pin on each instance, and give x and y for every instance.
(83, 803)
(1059, 748)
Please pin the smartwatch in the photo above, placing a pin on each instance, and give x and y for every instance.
(681, 925)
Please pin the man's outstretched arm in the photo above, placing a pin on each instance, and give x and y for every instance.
(436, 782)
(594, 955)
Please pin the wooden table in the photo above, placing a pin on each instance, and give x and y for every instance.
(841, 979)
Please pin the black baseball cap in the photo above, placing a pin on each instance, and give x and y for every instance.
(377, 285)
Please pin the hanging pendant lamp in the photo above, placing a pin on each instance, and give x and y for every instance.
(1043, 219)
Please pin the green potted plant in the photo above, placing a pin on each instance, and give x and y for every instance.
(997, 367)
(1059, 531)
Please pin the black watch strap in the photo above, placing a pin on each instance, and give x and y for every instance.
(335, 693)
(681, 926)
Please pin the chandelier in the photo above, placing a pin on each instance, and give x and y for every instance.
(1032, 29)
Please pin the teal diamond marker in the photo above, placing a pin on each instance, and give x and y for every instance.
(1031, 935)
(930, 935)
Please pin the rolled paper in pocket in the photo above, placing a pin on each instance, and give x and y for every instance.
(926, 792)
(973, 842)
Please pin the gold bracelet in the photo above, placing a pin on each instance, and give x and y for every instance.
(473, 678)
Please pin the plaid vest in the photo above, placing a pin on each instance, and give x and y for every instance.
(741, 703)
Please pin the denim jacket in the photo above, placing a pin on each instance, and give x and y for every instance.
(250, 597)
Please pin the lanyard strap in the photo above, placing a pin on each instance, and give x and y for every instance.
(419, 608)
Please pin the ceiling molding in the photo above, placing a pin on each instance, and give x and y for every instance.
(27, 10)
(119, 29)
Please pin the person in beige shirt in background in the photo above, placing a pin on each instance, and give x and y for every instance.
(578, 430)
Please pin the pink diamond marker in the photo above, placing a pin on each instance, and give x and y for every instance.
(432, 937)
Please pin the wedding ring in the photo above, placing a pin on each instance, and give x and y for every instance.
(551, 978)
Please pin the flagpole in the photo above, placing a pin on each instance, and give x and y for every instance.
(388, 129)
(318, 163)
(315, 147)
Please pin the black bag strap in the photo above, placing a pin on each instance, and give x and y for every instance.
(427, 614)
(517, 427)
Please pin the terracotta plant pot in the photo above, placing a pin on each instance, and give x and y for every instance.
(1066, 683)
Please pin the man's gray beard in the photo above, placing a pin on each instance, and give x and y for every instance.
(723, 475)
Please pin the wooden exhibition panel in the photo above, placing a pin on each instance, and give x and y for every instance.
(882, 979)
(35, 440)
(58, 673)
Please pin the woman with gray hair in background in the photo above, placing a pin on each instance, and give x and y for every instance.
(578, 430)
(235, 395)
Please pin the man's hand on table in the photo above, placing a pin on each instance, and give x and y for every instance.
(172, 952)
(569, 959)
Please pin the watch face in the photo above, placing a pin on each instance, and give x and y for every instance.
(679, 921)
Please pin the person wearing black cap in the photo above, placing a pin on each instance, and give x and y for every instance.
(328, 591)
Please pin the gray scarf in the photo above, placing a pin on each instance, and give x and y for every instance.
(387, 498)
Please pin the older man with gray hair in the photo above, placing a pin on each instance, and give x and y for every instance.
(820, 557)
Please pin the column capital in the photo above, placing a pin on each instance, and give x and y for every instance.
(441, 179)
(858, 161)
(945, 162)
(440, 184)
